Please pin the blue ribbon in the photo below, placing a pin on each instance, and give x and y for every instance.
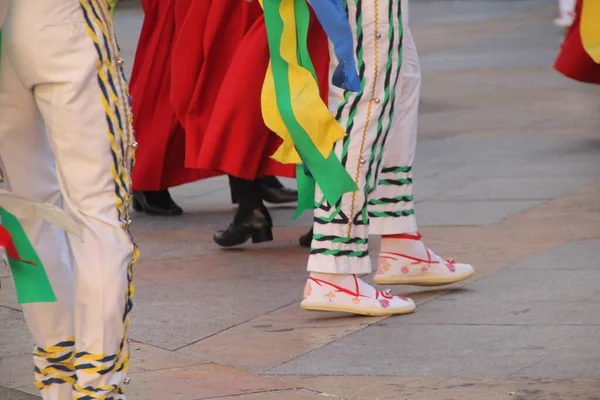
(334, 19)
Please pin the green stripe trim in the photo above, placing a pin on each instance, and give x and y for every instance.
(340, 253)
(340, 239)
(391, 214)
(395, 182)
(396, 170)
(399, 199)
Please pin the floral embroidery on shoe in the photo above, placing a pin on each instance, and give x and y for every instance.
(356, 300)
(307, 290)
(384, 303)
(450, 265)
(383, 266)
(405, 270)
(330, 296)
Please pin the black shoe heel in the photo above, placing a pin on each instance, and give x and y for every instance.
(137, 206)
(155, 203)
(306, 239)
(255, 226)
(264, 234)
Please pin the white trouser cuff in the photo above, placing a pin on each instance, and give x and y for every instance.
(393, 226)
(339, 264)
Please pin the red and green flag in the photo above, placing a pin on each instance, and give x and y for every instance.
(31, 281)
(29, 275)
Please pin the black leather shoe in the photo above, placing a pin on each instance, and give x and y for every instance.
(156, 203)
(272, 191)
(280, 195)
(256, 226)
(306, 239)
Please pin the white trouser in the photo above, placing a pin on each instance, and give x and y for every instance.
(566, 6)
(66, 138)
(379, 150)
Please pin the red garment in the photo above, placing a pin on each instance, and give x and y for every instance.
(573, 61)
(196, 88)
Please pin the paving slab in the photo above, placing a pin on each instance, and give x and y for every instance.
(197, 382)
(577, 255)
(293, 394)
(11, 394)
(506, 176)
(469, 212)
(177, 314)
(445, 388)
(398, 348)
(518, 188)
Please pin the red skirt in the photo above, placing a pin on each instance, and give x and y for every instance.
(573, 61)
(196, 86)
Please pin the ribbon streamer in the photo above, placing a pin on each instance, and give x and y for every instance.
(334, 19)
(293, 109)
(112, 5)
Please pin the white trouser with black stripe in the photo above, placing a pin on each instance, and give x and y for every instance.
(66, 139)
(381, 122)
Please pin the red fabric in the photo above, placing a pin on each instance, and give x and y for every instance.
(196, 87)
(410, 236)
(573, 61)
(7, 243)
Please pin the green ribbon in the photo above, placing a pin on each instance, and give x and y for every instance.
(31, 281)
(112, 5)
(328, 173)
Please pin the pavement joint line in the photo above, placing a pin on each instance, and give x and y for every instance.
(172, 368)
(447, 200)
(11, 308)
(231, 327)
(273, 391)
(491, 324)
(149, 345)
(516, 374)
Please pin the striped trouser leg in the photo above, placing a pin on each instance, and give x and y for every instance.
(340, 243)
(102, 357)
(65, 53)
(391, 205)
(54, 370)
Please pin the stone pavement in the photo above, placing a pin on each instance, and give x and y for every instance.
(507, 177)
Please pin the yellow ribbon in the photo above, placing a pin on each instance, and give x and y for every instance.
(308, 108)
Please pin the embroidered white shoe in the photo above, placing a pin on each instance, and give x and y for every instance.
(411, 263)
(565, 20)
(362, 298)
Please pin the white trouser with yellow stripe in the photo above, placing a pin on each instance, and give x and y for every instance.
(66, 138)
(381, 122)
